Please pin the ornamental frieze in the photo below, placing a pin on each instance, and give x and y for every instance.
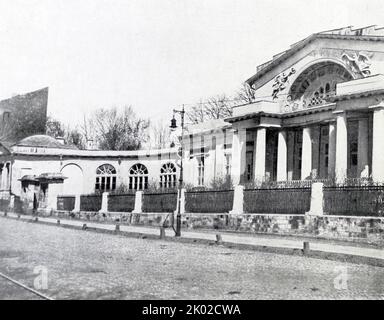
(280, 83)
(357, 61)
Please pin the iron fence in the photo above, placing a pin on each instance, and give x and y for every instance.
(65, 203)
(354, 200)
(159, 202)
(90, 203)
(220, 201)
(4, 203)
(279, 200)
(121, 202)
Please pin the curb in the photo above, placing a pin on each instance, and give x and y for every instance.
(342, 257)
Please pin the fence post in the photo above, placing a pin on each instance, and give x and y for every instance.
(104, 203)
(138, 202)
(11, 205)
(238, 200)
(316, 208)
(77, 203)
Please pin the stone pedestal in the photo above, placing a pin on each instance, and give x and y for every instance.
(76, 209)
(104, 203)
(138, 202)
(238, 200)
(316, 207)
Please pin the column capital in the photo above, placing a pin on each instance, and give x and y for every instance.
(339, 112)
(377, 107)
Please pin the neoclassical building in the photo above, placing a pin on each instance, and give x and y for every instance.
(38, 168)
(317, 112)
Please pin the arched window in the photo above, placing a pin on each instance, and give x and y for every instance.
(327, 88)
(168, 176)
(105, 178)
(138, 177)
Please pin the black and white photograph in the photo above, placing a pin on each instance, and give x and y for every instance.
(191, 155)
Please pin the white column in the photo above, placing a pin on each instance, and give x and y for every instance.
(362, 160)
(378, 144)
(238, 154)
(282, 156)
(306, 156)
(341, 164)
(260, 149)
(332, 150)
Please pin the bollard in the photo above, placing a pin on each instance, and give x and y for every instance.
(162, 232)
(58, 221)
(305, 247)
(117, 228)
(5, 213)
(219, 239)
(36, 219)
(84, 226)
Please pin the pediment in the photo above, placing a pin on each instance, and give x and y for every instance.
(359, 58)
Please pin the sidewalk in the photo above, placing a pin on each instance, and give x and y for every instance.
(319, 249)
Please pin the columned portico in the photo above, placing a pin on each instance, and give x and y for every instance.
(260, 150)
(378, 144)
(341, 164)
(306, 157)
(282, 156)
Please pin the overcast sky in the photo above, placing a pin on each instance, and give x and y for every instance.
(152, 54)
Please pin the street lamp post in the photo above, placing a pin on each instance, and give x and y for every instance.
(173, 127)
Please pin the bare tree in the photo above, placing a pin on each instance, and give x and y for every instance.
(217, 107)
(159, 135)
(116, 130)
(245, 94)
(72, 136)
(196, 113)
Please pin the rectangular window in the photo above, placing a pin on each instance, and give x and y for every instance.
(191, 144)
(228, 164)
(200, 168)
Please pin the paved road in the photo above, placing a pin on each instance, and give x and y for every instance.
(86, 265)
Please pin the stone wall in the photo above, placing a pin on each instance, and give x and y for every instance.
(366, 229)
